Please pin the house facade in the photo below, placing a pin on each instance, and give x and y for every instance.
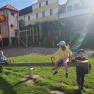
(42, 11)
(77, 18)
(50, 22)
(9, 27)
(36, 17)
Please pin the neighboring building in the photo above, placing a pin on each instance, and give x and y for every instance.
(47, 17)
(9, 28)
(77, 8)
(77, 18)
(34, 17)
(42, 11)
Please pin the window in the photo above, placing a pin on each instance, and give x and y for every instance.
(62, 9)
(24, 18)
(69, 8)
(51, 11)
(16, 32)
(47, 2)
(36, 15)
(11, 25)
(77, 6)
(43, 14)
(28, 18)
(12, 14)
(39, 5)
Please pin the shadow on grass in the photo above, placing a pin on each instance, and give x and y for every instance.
(74, 92)
(6, 87)
(22, 81)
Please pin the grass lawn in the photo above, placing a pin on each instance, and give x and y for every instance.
(28, 59)
(10, 79)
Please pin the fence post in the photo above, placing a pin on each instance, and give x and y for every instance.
(31, 72)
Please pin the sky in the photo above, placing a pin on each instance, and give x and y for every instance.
(20, 4)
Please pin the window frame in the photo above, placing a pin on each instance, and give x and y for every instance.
(36, 15)
(46, 2)
(39, 5)
(51, 12)
(28, 18)
(43, 13)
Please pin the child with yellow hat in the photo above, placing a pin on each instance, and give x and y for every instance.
(62, 57)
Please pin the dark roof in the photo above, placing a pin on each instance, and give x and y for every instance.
(10, 7)
(25, 10)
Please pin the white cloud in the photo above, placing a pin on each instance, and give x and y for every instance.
(62, 1)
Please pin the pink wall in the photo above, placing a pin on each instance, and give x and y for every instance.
(6, 29)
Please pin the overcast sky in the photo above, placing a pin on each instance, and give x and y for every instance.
(19, 4)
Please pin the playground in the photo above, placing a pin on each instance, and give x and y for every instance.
(29, 67)
(15, 79)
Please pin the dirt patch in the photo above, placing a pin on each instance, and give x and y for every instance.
(57, 92)
(27, 80)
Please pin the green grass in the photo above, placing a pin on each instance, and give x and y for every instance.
(30, 59)
(10, 79)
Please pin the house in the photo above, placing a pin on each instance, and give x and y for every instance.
(9, 26)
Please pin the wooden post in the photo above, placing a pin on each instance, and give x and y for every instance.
(18, 38)
(30, 36)
(33, 34)
(40, 30)
(36, 33)
(10, 40)
(40, 33)
(26, 38)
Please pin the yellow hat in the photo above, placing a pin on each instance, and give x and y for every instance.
(61, 43)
